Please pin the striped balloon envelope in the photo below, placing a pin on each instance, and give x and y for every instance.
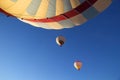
(53, 14)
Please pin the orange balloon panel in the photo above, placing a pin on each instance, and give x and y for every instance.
(78, 65)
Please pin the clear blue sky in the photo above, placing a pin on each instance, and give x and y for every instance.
(30, 53)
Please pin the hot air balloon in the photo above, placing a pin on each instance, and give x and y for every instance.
(78, 65)
(60, 40)
(53, 14)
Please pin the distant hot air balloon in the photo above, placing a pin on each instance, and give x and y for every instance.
(53, 14)
(78, 65)
(60, 40)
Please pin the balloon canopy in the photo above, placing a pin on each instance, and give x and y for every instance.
(53, 14)
(60, 40)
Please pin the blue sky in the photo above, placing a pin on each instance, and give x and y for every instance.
(30, 53)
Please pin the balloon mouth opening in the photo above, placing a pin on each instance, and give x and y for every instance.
(61, 42)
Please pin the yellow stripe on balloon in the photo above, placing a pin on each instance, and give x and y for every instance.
(18, 10)
(5, 4)
(74, 3)
(55, 25)
(42, 11)
(59, 7)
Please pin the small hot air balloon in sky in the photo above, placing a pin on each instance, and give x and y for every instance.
(78, 65)
(60, 40)
(53, 14)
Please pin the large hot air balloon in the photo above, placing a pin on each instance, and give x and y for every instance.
(60, 40)
(53, 14)
(78, 65)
